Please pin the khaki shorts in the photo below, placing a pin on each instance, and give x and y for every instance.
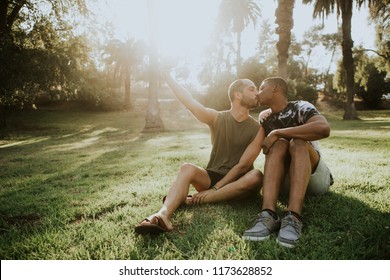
(319, 184)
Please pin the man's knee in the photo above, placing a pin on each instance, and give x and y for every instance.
(187, 169)
(280, 147)
(256, 176)
(253, 179)
(298, 146)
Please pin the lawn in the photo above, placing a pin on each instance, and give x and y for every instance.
(74, 184)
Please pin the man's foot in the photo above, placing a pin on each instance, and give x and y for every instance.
(153, 224)
(263, 227)
(290, 231)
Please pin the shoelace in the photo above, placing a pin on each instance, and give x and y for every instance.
(263, 219)
(292, 222)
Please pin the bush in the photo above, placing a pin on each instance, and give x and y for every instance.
(299, 90)
(217, 93)
(375, 87)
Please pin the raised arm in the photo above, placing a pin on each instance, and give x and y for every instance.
(203, 114)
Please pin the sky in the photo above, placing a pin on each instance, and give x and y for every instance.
(185, 26)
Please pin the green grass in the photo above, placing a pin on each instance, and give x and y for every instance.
(74, 184)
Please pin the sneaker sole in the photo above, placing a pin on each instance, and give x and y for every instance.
(255, 238)
(284, 244)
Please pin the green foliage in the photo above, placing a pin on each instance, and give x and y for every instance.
(217, 93)
(216, 96)
(372, 86)
(96, 91)
(304, 91)
(233, 17)
(236, 15)
(40, 54)
(267, 52)
(123, 58)
(299, 87)
(254, 70)
(340, 78)
(370, 82)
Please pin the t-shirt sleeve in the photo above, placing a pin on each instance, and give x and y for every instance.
(306, 111)
(263, 115)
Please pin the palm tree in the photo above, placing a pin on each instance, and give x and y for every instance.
(124, 56)
(153, 119)
(235, 16)
(344, 7)
(285, 22)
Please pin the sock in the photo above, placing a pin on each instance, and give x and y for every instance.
(272, 213)
(294, 213)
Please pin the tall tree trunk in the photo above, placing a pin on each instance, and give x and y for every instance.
(327, 72)
(238, 59)
(127, 81)
(153, 119)
(347, 44)
(307, 64)
(3, 19)
(3, 122)
(3, 44)
(8, 17)
(285, 22)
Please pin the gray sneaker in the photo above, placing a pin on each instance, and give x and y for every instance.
(290, 231)
(262, 228)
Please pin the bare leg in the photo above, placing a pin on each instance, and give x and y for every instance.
(303, 159)
(248, 184)
(274, 172)
(177, 194)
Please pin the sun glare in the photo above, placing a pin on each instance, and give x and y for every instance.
(183, 26)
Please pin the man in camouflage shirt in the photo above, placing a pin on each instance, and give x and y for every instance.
(293, 163)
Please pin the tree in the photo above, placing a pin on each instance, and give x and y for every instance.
(124, 56)
(380, 15)
(266, 45)
(345, 8)
(218, 60)
(153, 119)
(235, 16)
(12, 13)
(330, 42)
(32, 56)
(285, 22)
(370, 81)
(310, 41)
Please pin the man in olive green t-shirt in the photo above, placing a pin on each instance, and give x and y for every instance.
(236, 143)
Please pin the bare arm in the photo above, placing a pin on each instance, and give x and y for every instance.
(316, 128)
(246, 161)
(203, 114)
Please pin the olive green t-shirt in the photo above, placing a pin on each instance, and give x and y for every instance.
(230, 138)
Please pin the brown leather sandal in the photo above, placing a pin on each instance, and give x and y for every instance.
(153, 224)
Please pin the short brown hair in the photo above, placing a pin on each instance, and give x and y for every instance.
(280, 82)
(237, 85)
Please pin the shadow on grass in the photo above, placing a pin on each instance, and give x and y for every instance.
(336, 227)
(341, 227)
(72, 179)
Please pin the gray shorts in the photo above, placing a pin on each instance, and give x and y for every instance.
(319, 184)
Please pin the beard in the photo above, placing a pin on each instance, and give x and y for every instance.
(249, 103)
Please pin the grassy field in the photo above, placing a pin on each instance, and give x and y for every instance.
(74, 184)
